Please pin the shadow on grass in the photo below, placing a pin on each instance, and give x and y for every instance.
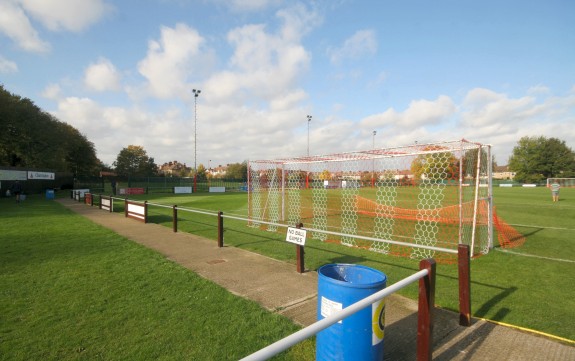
(159, 219)
(492, 303)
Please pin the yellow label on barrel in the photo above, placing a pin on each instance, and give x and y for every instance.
(377, 321)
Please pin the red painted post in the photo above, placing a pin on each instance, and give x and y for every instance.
(300, 255)
(145, 211)
(125, 207)
(464, 269)
(220, 229)
(175, 218)
(425, 311)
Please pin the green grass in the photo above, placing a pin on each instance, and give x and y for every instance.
(531, 287)
(72, 290)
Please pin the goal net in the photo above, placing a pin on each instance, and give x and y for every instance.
(563, 182)
(417, 201)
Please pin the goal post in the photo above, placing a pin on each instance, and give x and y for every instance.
(411, 201)
(563, 182)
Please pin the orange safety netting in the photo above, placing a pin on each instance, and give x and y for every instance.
(507, 236)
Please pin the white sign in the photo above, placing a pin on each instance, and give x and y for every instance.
(217, 189)
(329, 307)
(13, 175)
(182, 190)
(296, 235)
(106, 204)
(81, 191)
(41, 175)
(137, 210)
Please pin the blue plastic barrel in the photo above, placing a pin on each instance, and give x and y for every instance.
(359, 336)
(50, 194)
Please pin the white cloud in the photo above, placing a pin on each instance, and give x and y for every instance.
(52, 92)
(538, 90)
(360, 44)
(419, 113)
(102, 76)
(248, 5)
(484, 116)
(264, 66)
(7, 66)
(69, 15)
(169, 62)
(15, 24)
(55, 15)
(484, 107)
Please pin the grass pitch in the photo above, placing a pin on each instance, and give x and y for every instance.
(529, 286)
(72, 290)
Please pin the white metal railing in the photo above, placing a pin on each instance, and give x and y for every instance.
(366, 238)
(311, 330)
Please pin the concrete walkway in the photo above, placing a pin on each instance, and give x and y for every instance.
(279, 288)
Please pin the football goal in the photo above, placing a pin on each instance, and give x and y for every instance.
(563, 182)
(414, 201)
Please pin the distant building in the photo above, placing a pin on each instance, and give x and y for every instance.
(174, 168)
(503, 172)
(403, 174)
(218, 172)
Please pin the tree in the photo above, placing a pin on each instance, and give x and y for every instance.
(237, 171)
(435, 165)
(325, 175)
(134, 161)
(201, 174)
(470, 162)
(535, 159)
(30, 137)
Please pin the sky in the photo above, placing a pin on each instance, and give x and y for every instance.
(123, 72)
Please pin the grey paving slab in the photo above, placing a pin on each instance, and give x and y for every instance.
(279, 288)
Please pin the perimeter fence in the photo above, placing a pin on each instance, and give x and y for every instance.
(139, 210)
(153, 185)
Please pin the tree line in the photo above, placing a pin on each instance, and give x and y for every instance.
(33, 138)
(134, 161)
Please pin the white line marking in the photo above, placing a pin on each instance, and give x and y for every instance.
(533, 256)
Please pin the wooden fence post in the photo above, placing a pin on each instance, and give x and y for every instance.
(425, 311)
(220, 229)
(300, 255)
(464, 269)
(175, 218)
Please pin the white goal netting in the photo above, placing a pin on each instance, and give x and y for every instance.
(411, 201)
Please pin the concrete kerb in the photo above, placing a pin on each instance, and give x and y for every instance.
(279, 288)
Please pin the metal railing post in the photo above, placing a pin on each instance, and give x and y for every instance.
(425, 311)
